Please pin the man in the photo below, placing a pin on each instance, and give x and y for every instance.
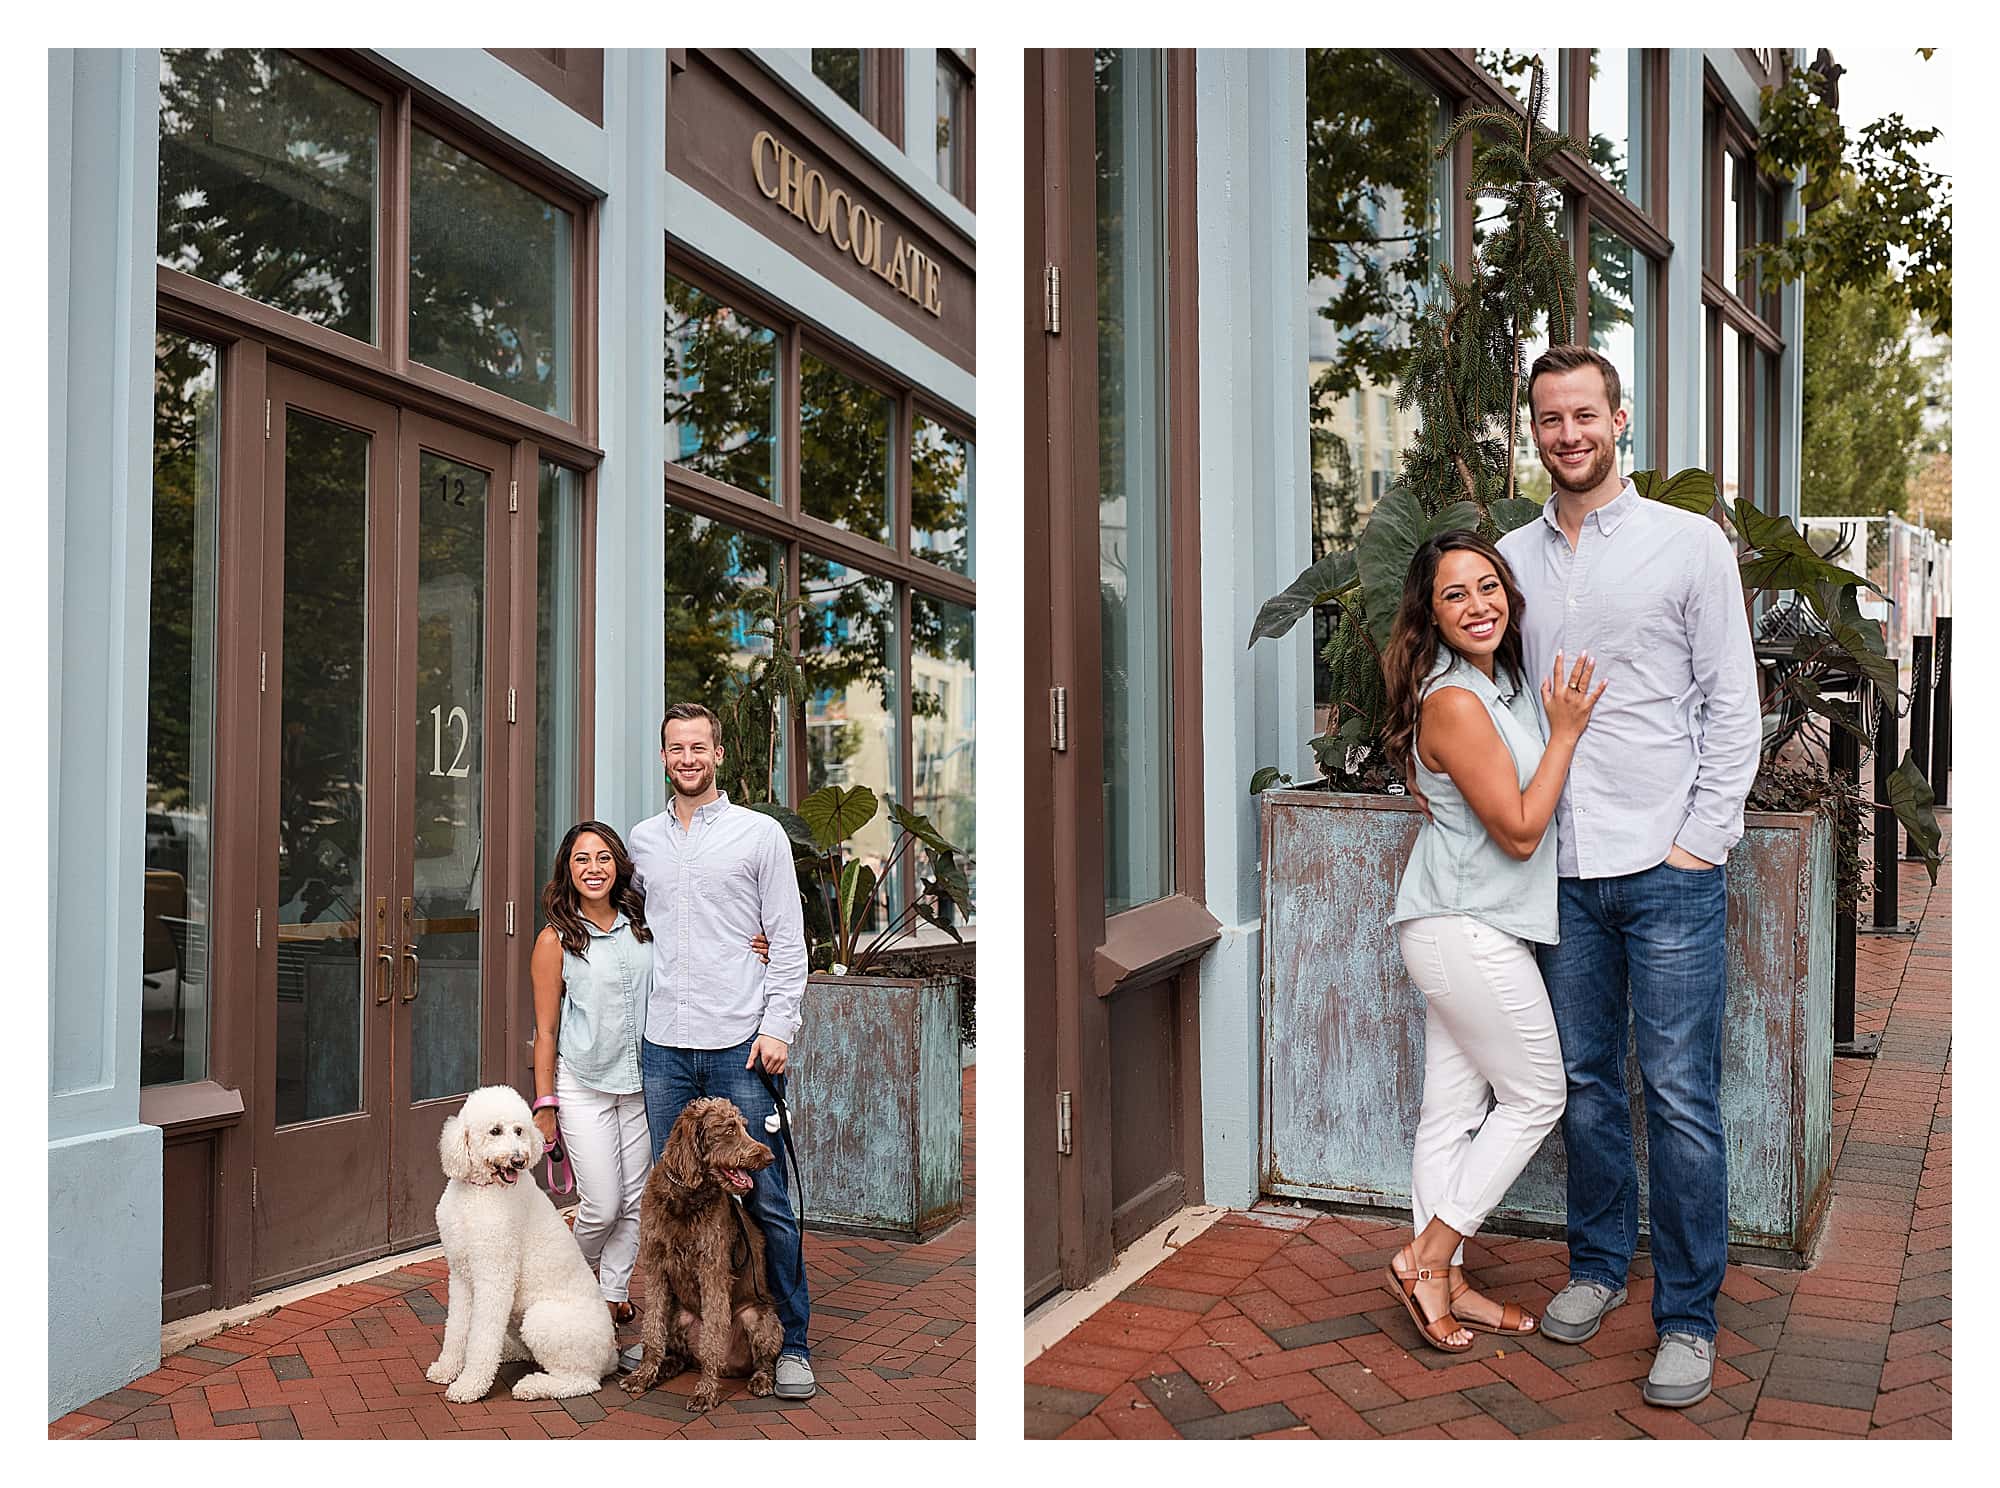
(715, 875)
(1653, 804)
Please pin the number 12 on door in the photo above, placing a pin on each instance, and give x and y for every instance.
(462, 721)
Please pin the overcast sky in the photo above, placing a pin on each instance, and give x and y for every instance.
(1897, 81)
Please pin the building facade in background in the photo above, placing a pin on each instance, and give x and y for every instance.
(1229, 249)
(418, 421)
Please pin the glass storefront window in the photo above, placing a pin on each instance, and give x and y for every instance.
(722, 375)
(1618, 117)
(1621, 326)
(714, 645)
(941, 495)
(180, 714)
(490, 279)
(951, 90)
(849, 652)
(847, 431)
(558, 667)
(1376, 210)
(942, 723)
(1133, 504)
(840, 69)
(268, 173)
(1728, 270)
(1729, 453)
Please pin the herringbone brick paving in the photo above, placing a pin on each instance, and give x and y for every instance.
(892, 1348)
(1275, 1322)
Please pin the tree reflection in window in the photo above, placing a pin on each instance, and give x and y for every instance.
(941, 486)
(721, 391)
(846, 431)
(849, 653)
(267, 183)
(942, 722)
(840, 69)
(712, 641)
(1621, 327)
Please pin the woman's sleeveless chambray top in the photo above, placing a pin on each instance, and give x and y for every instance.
(1456, 866)
(604, 1007)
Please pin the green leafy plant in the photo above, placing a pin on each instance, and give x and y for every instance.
(845, 894)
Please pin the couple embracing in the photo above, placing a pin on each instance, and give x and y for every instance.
(1578, 710)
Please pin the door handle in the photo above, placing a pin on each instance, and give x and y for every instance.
(410, 953)
(385, 952)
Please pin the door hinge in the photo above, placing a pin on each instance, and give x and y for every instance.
(263, 663)
(259, 926)
(1059, 719)
(1062, 1123)
(1052, 300)
(513, 495)
(510, 705)
(253, 1188)
(267, 418)
(510, 916)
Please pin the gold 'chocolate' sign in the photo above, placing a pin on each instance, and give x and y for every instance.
(828, 210)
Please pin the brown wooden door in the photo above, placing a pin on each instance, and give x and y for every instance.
(383, 807)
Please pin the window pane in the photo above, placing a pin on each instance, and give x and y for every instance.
(718, 648)
(558, 669)
(1733, 186)
(846, 431)
(1731, 444)
(721, 391)
(1512, 68)
(489, 278)
(1531, 476)
(849, 653)
(1133, 506)
(942, 724)
(941, 485)
(840, 69)
(180, 716)
(267, 183)
(1621, 326)
(1617, 117)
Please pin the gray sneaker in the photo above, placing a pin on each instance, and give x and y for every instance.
(629, 1358)
(795, 1378)
(1683, 1372)
(1578, 1310)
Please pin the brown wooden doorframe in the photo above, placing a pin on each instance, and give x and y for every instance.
(318, 1196)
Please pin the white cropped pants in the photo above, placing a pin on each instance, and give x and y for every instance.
(611, 1149)
(1493, 1070)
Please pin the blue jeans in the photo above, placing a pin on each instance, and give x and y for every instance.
(672, 1078)
(1649, 946)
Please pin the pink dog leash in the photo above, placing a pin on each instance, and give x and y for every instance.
(561, 1176)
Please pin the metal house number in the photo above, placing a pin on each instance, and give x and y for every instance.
(459, 770)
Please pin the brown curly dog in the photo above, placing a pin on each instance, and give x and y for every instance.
(701, 1260)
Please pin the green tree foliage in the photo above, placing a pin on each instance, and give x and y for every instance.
(721, 391)
(1893, 225)
(1863, 396)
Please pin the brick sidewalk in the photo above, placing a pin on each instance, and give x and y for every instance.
(892, 1348)
(1275, 1322)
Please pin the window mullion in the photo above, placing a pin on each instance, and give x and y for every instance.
(395, 214)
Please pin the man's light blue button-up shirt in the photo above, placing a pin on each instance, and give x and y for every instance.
(710, 888)
(1653, 593)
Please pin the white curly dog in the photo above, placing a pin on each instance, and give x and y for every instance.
(520, 1288)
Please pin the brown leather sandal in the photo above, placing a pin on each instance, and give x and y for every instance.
(1512, 1316)
(622, 1313)
(1435, 1332)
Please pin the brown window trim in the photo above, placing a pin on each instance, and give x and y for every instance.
(572, 75)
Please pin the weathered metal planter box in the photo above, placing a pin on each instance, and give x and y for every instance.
(1343, 1037)
(875, 1106)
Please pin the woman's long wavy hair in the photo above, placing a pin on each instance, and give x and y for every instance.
(1414, 639)
(564, 907)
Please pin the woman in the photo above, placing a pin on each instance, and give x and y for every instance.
(1479, 892)
(593, 973)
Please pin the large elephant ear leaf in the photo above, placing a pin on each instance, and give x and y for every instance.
(919, 826)
(1396, 529)
(948, 875)
(857, 892)
(797, 832)
(1779, 556)
(1910, 797)
(1511, 512)
(1691, 490)
(1316, 586)
(835, 813)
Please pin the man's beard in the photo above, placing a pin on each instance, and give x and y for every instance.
(1594, 473)
(699, 788)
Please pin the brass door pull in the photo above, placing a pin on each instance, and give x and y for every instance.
(385, 952)
(410, 953)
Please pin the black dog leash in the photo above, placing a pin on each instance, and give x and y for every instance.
(785, 1129)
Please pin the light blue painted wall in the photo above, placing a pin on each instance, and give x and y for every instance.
(1255, 537)
(104, 1168)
